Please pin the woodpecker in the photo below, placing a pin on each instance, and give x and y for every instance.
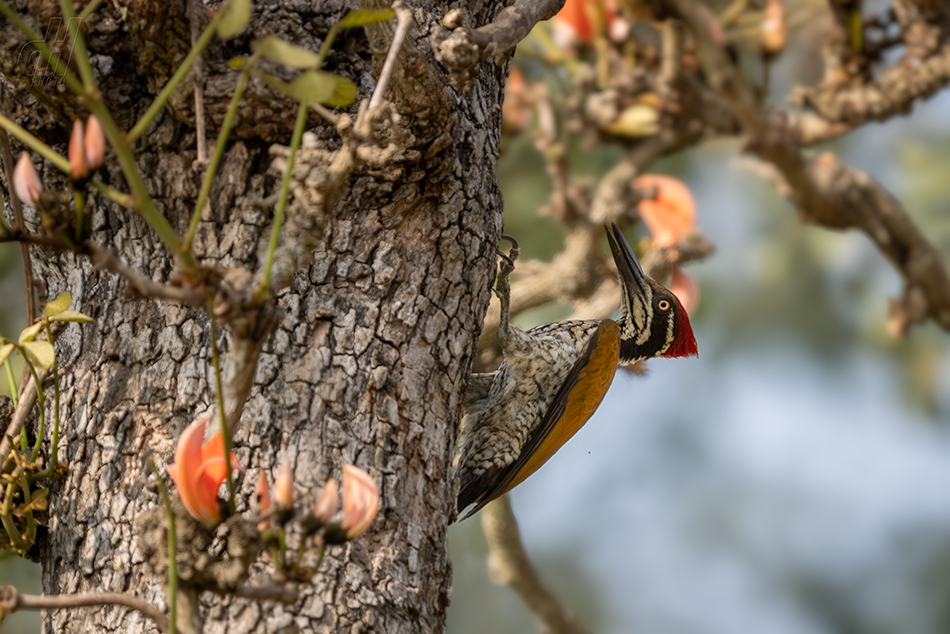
(554, 377)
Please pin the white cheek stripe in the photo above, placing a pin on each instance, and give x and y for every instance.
(669, 333)
(641, 315)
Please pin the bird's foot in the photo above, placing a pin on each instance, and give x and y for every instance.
(508, 259)
(503, 285)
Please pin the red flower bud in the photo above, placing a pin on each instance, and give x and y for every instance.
(284, 485)
(94, 146)
(26, 182)
(78, 167)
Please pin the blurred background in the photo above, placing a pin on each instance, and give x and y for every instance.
(793, 479)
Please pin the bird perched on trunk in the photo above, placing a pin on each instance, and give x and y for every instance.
(554, 377)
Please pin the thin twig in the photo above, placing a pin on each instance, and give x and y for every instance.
(107, 260)
(403, 22)
(198, 77)
(25, 406)
(11, 601)
(219, 399)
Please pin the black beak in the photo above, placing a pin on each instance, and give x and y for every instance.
(633, 277)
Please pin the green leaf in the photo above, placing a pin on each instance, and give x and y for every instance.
(237, 63)
(359, 17)
(71, 315)
(277, 50)
(237, 13)
(58, 305)
(308, 87)
(40, 353)
(5, 351)
(344, 91)
(317, 86)
(30, 333)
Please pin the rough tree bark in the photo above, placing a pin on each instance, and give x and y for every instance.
(376, 335)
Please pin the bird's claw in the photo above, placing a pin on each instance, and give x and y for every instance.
(508, 258)
(515, 250)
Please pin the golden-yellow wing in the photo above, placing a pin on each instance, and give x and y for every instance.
(576, 401)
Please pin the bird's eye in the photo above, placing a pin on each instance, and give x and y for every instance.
(663, 304)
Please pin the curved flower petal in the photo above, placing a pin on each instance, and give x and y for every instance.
(94, 146)
(360, 501)
(78, 166)
(329, 500)
(199, 470)
(672, 213)
(284, 485)
(26, 182)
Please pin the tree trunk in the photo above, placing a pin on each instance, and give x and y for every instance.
(376, 336)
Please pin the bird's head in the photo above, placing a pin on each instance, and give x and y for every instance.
(653, 322)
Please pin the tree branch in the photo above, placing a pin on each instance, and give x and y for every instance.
(509, 565)
(827, 192)
(464, 48)
(107, 260)
(11, 601)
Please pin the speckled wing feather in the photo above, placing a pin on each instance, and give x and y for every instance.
(575, 402)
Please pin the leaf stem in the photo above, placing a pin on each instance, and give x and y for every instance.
(39, 42)
(89, 8)
(12, 532)
(219, 395)
(264, 289)
(80, 209)
(115, 196)
(136, 132)
(41, 401)
(54, 157)
(79, 45)
(55, 369)
(11, 379)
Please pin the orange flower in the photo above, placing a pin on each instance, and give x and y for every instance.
(360, 501)
(584, 19)
(672, 213)
(199, 470)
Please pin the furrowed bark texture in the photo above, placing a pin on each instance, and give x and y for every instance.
(369, 361)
